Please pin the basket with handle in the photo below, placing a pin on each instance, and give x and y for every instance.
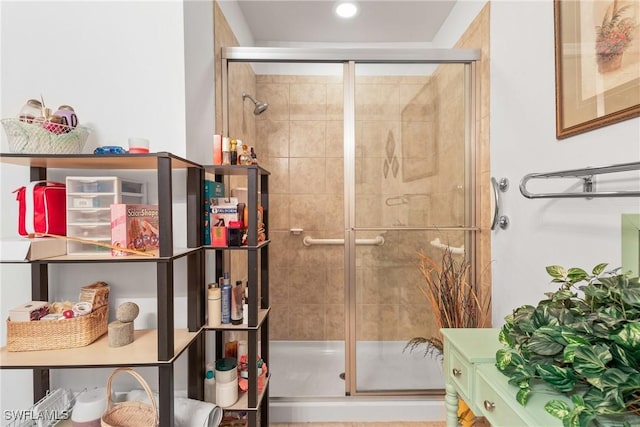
(33, 138)
(131, 413)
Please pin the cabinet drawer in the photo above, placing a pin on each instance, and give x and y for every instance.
(493, 406)
(461, 373)
(102, 231)
(88, 216)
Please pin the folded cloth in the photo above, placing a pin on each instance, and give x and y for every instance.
(187, 412)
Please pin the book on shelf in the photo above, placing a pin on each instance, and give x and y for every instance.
(212, 190)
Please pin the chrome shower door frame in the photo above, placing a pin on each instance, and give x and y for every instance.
(349, 58)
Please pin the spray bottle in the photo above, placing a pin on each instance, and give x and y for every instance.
(226, 299)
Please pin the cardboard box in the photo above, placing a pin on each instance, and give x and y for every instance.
(135, 227)
(223, 211)
(25, 249)
(32, 310)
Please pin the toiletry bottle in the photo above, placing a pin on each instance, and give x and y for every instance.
(245, 156)
(233, 153)
(245, 306)
(210, 384)
(236, 303)
(238, 151)
(226, 299)
(217, 149)
(226, 154)
(214, 308)
(254, 157)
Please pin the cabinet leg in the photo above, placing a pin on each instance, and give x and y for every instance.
(451, 404)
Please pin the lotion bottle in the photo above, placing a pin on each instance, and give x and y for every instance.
(214, 309)
(210, 384)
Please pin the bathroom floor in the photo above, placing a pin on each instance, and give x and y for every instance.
(385, 424)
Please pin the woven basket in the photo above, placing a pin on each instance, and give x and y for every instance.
(57, 334)
(32, 138)
(132, 413)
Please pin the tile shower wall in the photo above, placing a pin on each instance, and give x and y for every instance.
(299, 139)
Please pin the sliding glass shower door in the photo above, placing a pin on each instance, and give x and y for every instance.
(410, 193)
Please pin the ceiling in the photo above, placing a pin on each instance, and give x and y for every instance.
(313, 21)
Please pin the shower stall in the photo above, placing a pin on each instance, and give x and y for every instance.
(372, 161)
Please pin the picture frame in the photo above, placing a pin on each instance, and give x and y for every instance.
(597, 64)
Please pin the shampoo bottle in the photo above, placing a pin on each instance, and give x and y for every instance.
(226, 299)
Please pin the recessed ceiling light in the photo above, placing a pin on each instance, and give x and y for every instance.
(346, 9)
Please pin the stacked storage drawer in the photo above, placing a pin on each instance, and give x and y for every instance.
(89, 201)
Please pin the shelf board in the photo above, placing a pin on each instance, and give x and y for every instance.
(95, 161)
(234, 169)
(143, 351)
(107, 257)
(236, 248)
(262, 315)
(242, 403)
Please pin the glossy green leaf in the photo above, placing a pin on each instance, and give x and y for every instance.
(558, 409)
(523, 395)
(591, 362)
(561, 379)
(576, 274)
(504, 338)
(503, 358)
(629, 336)
(599, 268)
(556, 271)
(544, 341)
(631, 296)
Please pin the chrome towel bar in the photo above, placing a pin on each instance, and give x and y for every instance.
(587, 175)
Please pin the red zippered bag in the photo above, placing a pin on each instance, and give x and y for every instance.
(42, 208)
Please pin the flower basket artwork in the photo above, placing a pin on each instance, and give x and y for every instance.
(613, 37)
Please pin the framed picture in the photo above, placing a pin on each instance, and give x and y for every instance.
(597, 44)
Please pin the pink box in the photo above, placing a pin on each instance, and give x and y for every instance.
(219, 236)
(135, 227)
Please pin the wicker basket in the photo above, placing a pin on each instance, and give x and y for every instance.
(57, 334)
(32, 138)
(132, 413)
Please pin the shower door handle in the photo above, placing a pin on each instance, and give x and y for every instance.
(499, 186)
(308, 241)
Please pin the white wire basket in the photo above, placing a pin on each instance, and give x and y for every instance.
(44, 138)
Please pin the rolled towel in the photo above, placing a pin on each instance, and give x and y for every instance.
(187, 412)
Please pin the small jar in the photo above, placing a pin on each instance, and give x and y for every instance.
(68, 115)
(245, 156)
(31, 112)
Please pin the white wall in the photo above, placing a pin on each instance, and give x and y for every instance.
(141, 68)
(568, 232)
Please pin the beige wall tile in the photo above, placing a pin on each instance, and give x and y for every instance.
(279, 322)
(334, 139)
(307, 212)
(307, 284)
(334, 322)
(279, 212)
(274, 137)
(307, 138)
(335, 177)
(279, 178)
(308, 101)
(309, 321)
(307, 175)
(277, 96)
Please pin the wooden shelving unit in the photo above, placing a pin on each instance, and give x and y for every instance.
(257, 329)
(159, 347)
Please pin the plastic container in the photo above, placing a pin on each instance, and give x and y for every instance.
(226, 370)
(226, 393)
(210, 384)
(214, 306)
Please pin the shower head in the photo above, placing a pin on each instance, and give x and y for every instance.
(260, 107)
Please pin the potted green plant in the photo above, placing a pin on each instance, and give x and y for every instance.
(583, 341)
(456, 303)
